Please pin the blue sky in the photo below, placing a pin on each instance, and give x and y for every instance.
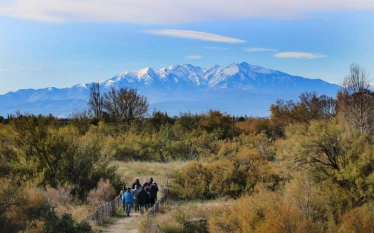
(61, 43)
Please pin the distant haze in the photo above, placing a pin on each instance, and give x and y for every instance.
(238, 89)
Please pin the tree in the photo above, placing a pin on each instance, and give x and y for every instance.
(356, 101)
(310, 107)
(217, 123)
(321, 146)
(125, 104)
(95, 102)
(57, 153)
(317, 107)
(159, 119)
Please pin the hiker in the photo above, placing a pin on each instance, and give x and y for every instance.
(122, 194)
(153, 189)
(148, 183)
(135, 194)
(142, 199)
(128, 198)
(136, 182)
(148, 205)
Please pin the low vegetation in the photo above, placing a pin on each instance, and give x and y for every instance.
(308, 168)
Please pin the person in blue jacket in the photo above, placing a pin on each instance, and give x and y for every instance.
(128, 198)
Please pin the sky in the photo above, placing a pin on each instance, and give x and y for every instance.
(60, 43)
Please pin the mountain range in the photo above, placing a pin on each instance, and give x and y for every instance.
(239, 89)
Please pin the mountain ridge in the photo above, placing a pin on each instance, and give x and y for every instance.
(174, 87)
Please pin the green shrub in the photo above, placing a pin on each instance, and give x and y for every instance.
(64, 224)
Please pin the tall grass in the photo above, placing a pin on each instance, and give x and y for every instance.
(175, 214)
(129, 171)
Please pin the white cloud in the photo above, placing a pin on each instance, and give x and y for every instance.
(301, 55)
(194, 35)
(252, 50)
(215, 48)
(193, 57)
(171, 11)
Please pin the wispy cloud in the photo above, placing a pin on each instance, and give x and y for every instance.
(253, 50)
(172, 11)
(194, 35)
(193, 57)
(299, 55)
(215, 48)
(99, 66)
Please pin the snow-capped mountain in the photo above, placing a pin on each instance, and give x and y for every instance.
(236, 89)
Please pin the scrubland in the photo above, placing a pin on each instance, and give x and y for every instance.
(307, 168)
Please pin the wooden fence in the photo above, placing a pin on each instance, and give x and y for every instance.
(105, 211)
(156, 207)
(151, 227)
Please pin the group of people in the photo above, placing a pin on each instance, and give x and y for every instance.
(141, 196)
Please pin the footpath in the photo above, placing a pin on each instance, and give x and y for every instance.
(123, 224)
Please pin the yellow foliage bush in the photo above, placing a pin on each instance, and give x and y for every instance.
(358, 220)
(102, 194)
(234, 175)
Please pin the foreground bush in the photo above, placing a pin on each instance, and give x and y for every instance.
(184, 216)
(64, 224)
(102, 194)
(28, 209)
(233, 176)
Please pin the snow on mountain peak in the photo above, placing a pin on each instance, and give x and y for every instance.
(179, 88)
(143, 72)
(242, 74)
(80, 85)
(109, 83)
(232, 69)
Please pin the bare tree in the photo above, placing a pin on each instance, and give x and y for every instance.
(95, 102)
(125, 104)
(328, 106)
(356, 100)
(356, 81)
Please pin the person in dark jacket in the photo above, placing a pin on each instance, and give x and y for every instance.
(153, 189)
(136, 182)
(135, 194)
(148, 205)
(142, 199)
(148, 183)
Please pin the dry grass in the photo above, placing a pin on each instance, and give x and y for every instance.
(129, 171)
(102, 194)
(60, 199)
(78, 212)
(173, 215)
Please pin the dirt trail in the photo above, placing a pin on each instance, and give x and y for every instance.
(123, 224)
